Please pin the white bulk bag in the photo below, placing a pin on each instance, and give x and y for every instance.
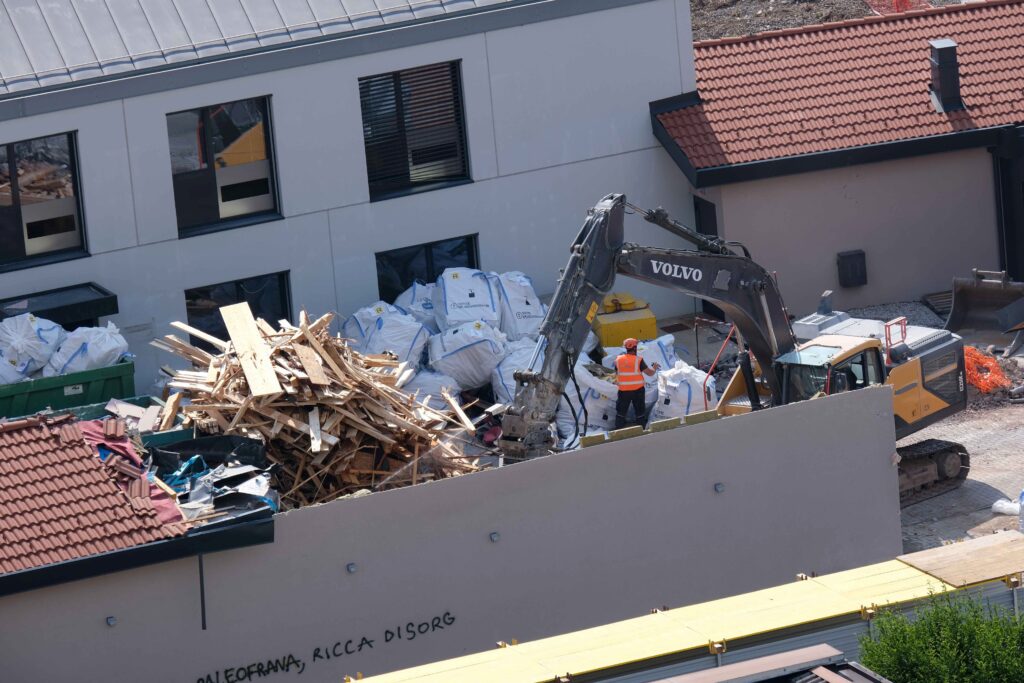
(521, 310)
(464, 295)
(681, 392)
(598, 398)
(400, 334)
(591, 342)
(359, 324)
(428, 385)
(418, 302)
(660, 350)
(468, 353)
(503, 383)
(27, 343)
(87, 348)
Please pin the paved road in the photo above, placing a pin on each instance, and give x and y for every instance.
(995, 440)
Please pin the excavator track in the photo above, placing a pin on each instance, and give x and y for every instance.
(930, 468)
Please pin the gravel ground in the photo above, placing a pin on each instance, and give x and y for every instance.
(721, 18)
(917, 313)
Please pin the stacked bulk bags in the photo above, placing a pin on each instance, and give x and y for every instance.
(418, 302)
(399, 334)
(681, 392)
(521, 310)
(503, 381)
(468, 353)
(598, 397)
(465, 295)
(358, 325)
(427, 386)
(26, 344)
(87, 348)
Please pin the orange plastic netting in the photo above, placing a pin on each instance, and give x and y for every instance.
(983, 371)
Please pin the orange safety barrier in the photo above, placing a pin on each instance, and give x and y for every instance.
(983, 371)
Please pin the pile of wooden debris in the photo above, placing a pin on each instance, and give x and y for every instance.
(334, 421)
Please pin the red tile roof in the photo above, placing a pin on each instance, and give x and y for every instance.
(849, 84)
(58, 502)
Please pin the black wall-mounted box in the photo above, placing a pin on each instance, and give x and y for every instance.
(853, 268)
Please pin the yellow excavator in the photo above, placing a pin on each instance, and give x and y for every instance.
(782, 361)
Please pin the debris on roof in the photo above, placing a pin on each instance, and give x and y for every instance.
(61, 502)
(848, 84)
(334, 421)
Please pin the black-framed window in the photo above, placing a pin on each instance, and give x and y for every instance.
(40, 211)
(398, 269)
(267, 295)
(222, 164)
(414, 129)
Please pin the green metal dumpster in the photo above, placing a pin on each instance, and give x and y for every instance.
(68, 391)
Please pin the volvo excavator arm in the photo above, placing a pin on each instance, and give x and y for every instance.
(743, 289)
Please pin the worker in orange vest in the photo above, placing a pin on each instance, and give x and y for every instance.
(630, 370)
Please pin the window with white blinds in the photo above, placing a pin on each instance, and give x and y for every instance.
(413, 129)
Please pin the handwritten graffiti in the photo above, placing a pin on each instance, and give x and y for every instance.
(291, 663)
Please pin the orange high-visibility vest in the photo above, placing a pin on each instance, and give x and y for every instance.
(627, 365)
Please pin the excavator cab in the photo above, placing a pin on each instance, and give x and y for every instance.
(828, 365)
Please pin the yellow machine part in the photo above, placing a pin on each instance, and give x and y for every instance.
(622, 316)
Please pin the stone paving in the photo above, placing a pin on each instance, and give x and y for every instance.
(995, 440)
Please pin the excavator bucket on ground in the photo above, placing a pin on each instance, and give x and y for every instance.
(986, 307)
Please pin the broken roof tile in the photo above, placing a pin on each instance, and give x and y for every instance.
(61, 503)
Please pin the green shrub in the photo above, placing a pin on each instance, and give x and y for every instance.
(952, 639)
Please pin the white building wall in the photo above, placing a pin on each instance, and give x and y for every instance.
(556, 116)
(920, 221)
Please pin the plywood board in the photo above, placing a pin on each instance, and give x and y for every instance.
(311, 364)
(251, 349)
(962, 564)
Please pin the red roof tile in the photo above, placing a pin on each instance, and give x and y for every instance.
(58, 502)
(848, 84)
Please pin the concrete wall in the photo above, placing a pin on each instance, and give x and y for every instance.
(585, 538)
(556, 116)
(921, 222)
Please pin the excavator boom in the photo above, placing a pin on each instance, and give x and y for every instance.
(740, 287)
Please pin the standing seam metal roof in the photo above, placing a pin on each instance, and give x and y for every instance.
(50, 42)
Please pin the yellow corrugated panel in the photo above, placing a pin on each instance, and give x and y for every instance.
(883, 583)
(613, 645)
(685, 628)
(493, 665)
(770, 609)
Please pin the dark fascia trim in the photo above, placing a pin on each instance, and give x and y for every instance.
(674, 150)
(687, 99)
(887, 151)
(104, 304)
(255, 532)
(299, 53)
(231, 224)
(72, 254)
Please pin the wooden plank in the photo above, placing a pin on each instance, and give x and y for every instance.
(251, 349)
(316, 438)
(199, 334)
(170, 411)
(312, 364)
(282, 419)
(457, 409)
(971, 562)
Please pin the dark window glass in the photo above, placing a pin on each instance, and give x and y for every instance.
(221, 163)
(39, 212)
(413, 129)
(267, 296)
(398, 269)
